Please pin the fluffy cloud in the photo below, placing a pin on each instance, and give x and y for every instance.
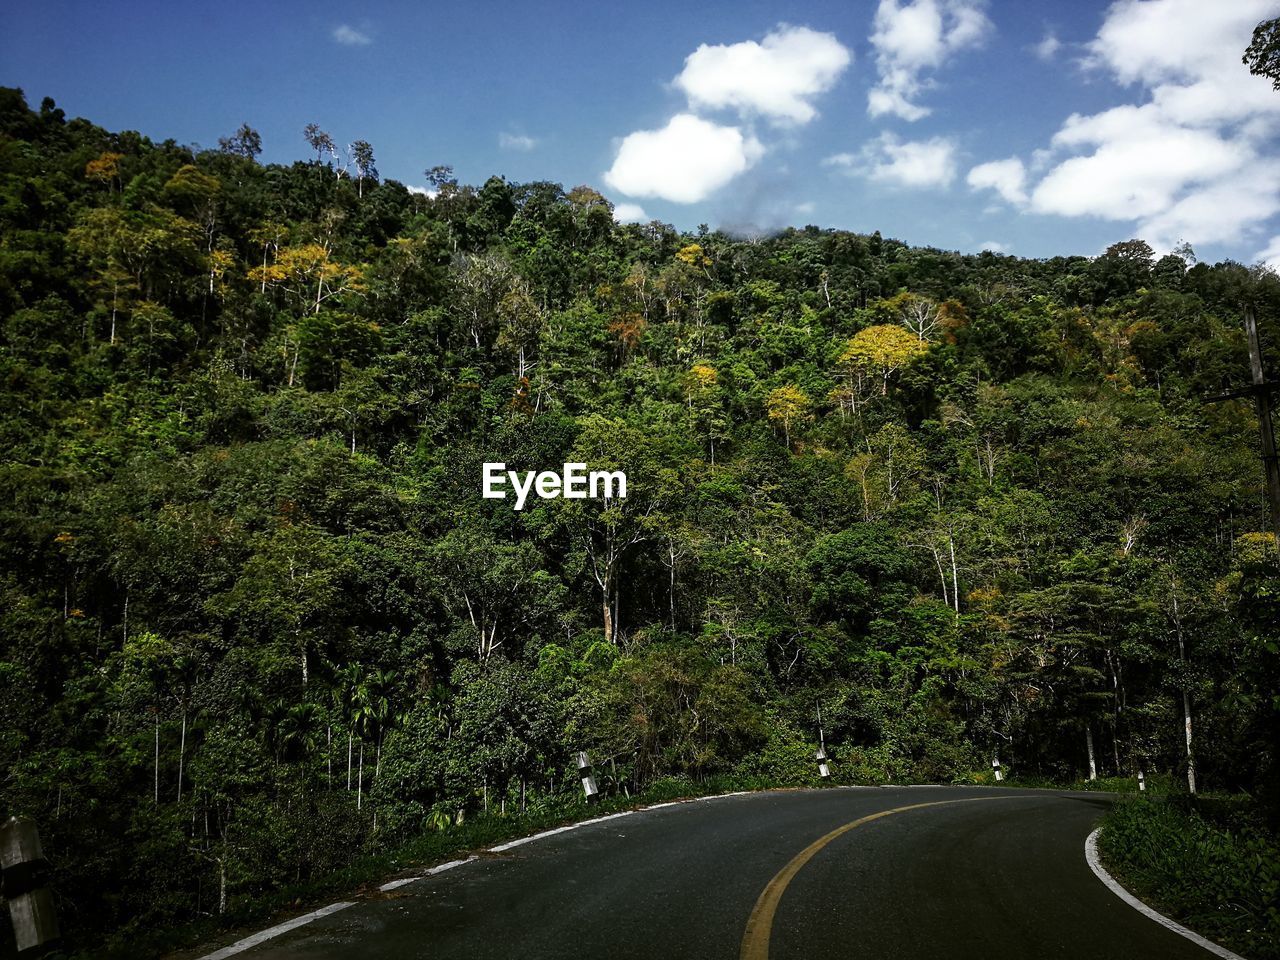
(914, 37)
(1137, 166)
(1048, 46)
(776, 78)
(516, 141)
(1190, 159)
(1270, 254)
(349, 36)
(629, 213)
(684, 162)
(1006, 177)
(902, 163)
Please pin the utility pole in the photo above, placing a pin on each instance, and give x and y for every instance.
(1261, 391)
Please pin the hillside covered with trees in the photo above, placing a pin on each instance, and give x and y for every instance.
(256, 619)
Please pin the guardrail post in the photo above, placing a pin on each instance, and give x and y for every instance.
(24, 880)
(589, 788)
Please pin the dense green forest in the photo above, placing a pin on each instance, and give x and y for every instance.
(257, 619)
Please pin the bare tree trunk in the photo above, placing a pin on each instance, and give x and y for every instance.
(1088, 739)
(955, 576)
(942, 575)
(1186, 721)
(672, 589)
(360, 779)
(1186, 696)
(182, 752)
(157, 794)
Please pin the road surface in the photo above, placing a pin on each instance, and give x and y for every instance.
(893, 873)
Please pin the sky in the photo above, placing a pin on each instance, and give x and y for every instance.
(1020, 126)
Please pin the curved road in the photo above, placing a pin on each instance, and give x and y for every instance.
(961, 872)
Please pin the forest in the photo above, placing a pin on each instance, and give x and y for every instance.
(258, 621)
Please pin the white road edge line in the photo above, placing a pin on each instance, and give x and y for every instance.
(1095, 864)
(262, 936)
(550, 833)
(431, 872)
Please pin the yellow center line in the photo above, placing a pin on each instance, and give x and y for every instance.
(755, 941)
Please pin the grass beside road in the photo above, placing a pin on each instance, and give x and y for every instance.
(1210, 863)
(430, 847)
(1138, 828)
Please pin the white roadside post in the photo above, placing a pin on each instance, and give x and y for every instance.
(24, 877)
(1142, 782)
(995, 768)
(824, 768)
(589, 788)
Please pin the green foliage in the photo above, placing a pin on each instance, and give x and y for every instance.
(1213, 866)
(258, 629)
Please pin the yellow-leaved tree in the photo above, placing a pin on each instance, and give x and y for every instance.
(880, 351)
(787, 405)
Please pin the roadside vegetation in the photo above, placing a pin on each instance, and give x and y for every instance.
(1212, 863)
(260, 633)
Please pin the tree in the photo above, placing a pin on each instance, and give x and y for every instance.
(245, 142)
(362, 157)
(608, 529)
(882, 350)
(319, 141)
(441, 178)
(1263, 53)
(919, 314)
(105, 168)
(787, 405)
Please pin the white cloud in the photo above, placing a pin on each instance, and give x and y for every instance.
(684, 162)
(428, 192)
(1048, 47)
(349, 36)
(902, 163)
(1156, 41)
(1217, 212)
(629, 213)
(516, 141)
(993, 246)
(776, 78)
(914, 37)
(1269, 256)
(1193, 157)
(1138, 166)
(1006, 177)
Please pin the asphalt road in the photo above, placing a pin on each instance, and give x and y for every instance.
(961, 872)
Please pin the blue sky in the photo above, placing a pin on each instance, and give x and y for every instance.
(1038, 128)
